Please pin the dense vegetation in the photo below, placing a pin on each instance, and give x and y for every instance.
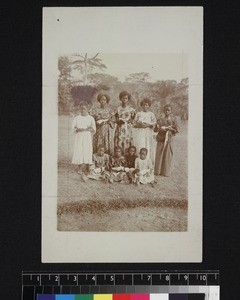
(138, 84)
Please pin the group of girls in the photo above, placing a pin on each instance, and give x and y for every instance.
(128, 155)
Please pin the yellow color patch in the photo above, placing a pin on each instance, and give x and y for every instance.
(102, 297)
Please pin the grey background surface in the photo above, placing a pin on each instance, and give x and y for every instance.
(20, 227)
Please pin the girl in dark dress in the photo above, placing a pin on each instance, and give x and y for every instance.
(167, 128)
(130, 158)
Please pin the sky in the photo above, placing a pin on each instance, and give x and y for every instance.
(159, 66)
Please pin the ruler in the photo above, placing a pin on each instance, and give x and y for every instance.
(159, 282)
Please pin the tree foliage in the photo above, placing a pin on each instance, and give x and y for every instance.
(64, 85)
(138, 77)
(138, 85)
(85, 65)
(103, 79)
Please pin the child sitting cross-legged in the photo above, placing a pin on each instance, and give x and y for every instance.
(117, 167)
(130, 158)
(99, 169)
(144, 168)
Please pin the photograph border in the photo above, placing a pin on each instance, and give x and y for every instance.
(58, 31)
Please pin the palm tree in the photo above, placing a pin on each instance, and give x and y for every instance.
(85, 65)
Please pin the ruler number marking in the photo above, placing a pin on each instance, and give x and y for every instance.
(203, 277)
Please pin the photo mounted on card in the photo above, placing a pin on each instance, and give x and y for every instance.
(122, 134)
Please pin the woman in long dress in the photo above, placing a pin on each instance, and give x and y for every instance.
(124, 118)
(83, 126)
(104, 125)
(144, 124)
(167, 128)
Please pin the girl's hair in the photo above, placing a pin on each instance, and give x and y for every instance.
(83, 103)
(101, 146)
(123, 94)
(132, 147)
(143, 149)
(99, 97)
(118, 148)
(146, 100)
(167, 105)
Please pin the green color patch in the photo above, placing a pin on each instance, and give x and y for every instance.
(84, 297)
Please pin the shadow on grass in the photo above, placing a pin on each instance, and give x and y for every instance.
(94, 206)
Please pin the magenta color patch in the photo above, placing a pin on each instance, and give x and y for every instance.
(140, 297)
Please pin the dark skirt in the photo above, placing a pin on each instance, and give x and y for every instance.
(163, 159)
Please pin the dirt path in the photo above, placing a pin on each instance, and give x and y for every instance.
(133, 219)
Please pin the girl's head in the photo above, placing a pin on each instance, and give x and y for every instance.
(167, 109)
(101, 150)
(145, 103)
(132, 150)
(103, 99)
(118, 151)
(143, 153)
(124, 97)
(83, 106)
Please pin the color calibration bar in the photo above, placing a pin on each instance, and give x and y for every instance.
(215, 296)
(172, 284)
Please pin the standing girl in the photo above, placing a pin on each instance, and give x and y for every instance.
(124, 118)
(167, 128)
(104, 123)
(83, 127)
(144, 123)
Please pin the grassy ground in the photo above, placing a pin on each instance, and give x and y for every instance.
(99, 206)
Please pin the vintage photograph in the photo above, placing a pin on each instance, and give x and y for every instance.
(123, 142)
(122, 134)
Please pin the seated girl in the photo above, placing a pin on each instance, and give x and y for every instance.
(117, 166)
(130, 162)
(99, 169)
(144, 168)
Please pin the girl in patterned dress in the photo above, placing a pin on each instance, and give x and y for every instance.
(124, 118)
(83, 126)
(117, 166)
(104, 124)
(99, 169)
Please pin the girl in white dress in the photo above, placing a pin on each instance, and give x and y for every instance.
(144, 168)
(84, 127)
(144, 124)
